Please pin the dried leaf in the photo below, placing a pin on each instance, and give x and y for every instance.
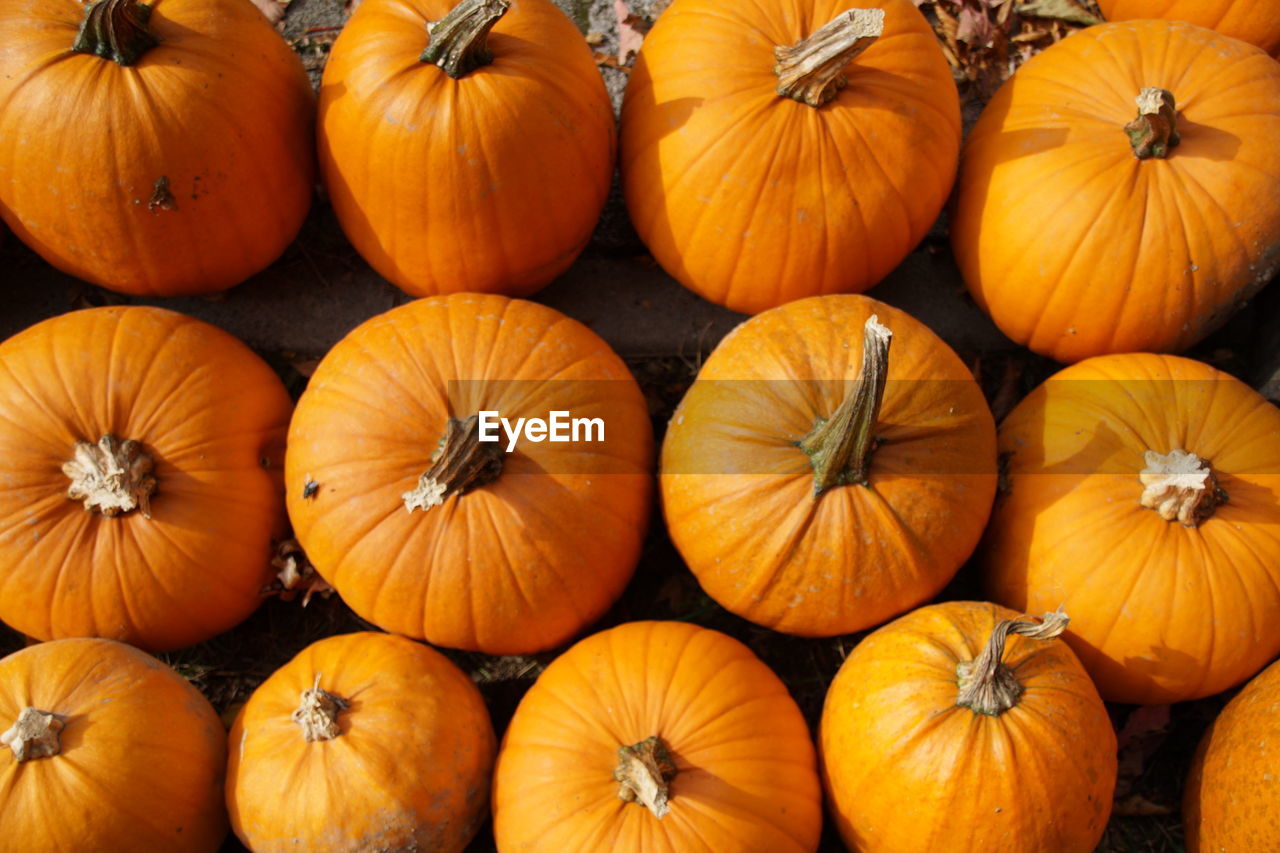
(307, 367)
(1062, 10)
(295, 575)
(974, 28)
(1136, 805)
(630, 35)
(273, 9)
(1144, 722)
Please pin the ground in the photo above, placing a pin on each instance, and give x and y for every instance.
(294, 311)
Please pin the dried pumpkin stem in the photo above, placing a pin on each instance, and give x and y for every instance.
(840, 447)
(459, 40)
(317, 713)
(33, 735)
(812, 69)
(1180, 486)
(1155, 130)
(461, 463)
(115, 30)
(644, 775)
(989, 687)
(112, 477)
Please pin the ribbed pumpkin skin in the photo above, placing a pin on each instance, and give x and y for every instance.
(409, 769)
(489, 183)
(1077, 248)
(745, 776)
(221, 108)
(738, 493)
(512, 567)
(1159, 612)
(1229, 802)
(213, 417)
(1254, 21)
(751, 199)
(142, 761)
(907, 770)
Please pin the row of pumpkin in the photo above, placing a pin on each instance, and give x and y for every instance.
(959, 726)
(813, 486)
(769, 152)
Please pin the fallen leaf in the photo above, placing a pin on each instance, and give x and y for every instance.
(1062, 10)
(630, 36)
(1136, 805)
(974, 28)
(273, 9)
(1144, 722)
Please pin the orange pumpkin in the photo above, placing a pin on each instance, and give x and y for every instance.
(425, 529)
(814, 490)
(1080, 242)
(168, 152)
(657, 737)
(939, 733)
(106, 749)
(1144, 497)
(473, 158)
(362, 742)
(141, 486)
(1254, 21)
(777, 150)
(1230, 802)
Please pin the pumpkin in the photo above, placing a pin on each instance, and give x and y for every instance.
(1079, 241)
(1229, 802)
(403, 730)
(142, 477)
(657, 736)
(159, 149)
(818, 488)
(1254, 21)
(106, 749)
(776, 150)
(466, 148)
(1143, 495)
(429, 528)
(964, 727)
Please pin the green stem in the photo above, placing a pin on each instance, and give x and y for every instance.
(841, 446)
(459, 40)
(115, 30)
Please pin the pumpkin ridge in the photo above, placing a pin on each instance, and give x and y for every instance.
(1043, 313)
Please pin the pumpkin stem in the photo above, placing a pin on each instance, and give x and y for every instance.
(115, 30)
(459, 40)
(1155, 130)
(1180, 485)
(989, 687)
(34, 735)
(461, 463)
(317, 713)
(112, 477)
(812, 69)
(644, 775)
(840, 447)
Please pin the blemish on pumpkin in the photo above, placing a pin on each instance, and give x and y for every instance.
(161, 197)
